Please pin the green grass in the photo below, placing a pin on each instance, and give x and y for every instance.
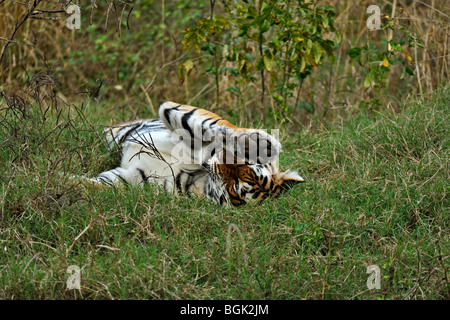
(376, 194)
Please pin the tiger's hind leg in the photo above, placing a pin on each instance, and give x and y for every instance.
(120, 176)
(115, 177)
(243, 144)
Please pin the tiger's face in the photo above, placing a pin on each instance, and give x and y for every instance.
(252, 182)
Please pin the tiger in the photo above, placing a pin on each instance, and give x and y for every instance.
(192, 151)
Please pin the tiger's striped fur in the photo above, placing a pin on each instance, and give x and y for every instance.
(147, 156)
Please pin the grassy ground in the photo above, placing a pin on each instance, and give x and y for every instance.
(376, 194)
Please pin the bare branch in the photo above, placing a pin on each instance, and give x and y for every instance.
(431, 7)
(4, 39)
(167, 64)
(93, 5)
(36, 12)
(18, 2)
(25, 18)
(46, 18)
(119, 21)
(128, 17)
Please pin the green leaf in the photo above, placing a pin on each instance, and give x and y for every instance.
(332, 58)
(265, 26)
(221, 21)
(209, 47)
(278, 98)
(260, 64)
(294, 56)
(268, 62)
(188, 65)
(409, 70)
(368, 80)
(325, 20)
(396, 46)
(317, 52)
(354, 52)
(338, 36)
(181, 73)
(302, 64)
(306, 106)
(212, 70)
(308, 45)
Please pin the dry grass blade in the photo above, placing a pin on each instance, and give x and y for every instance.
(233, 227)
(79, 236)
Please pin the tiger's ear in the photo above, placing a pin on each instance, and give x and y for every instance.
(290, 178)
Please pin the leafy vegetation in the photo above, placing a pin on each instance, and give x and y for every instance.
(378, 63)
(287, 61)
(288, 36)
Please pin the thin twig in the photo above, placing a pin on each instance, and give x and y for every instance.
(25, 18)
(18, 2)
(165, 65)
(46, 18)
(427, 5)
(5, 39)
(47, 11)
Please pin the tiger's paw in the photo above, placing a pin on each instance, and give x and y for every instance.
(253, 145)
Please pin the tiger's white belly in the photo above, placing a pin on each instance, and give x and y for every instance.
(142, 165)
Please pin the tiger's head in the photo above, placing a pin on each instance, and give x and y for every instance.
(240, 183)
